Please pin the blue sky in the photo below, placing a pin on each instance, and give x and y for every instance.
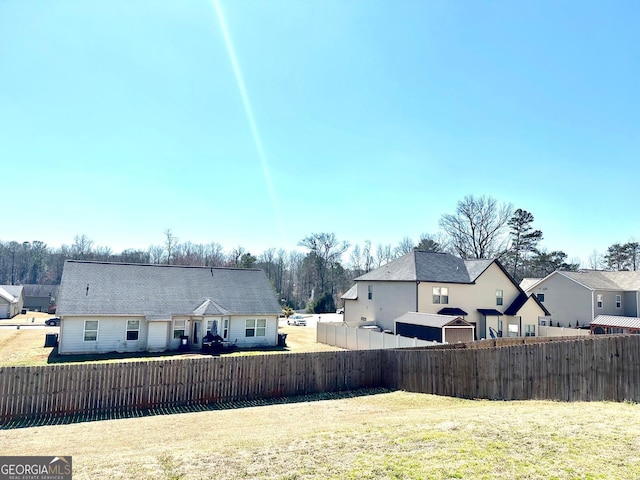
(369, 119)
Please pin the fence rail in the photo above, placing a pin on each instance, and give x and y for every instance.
(586, 369)
(343, 336)
(67, 389)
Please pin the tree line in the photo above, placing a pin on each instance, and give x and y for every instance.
(480, 227)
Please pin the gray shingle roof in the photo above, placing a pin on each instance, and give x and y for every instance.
(430, 319)
(33, 290)
(600, 280)
(13, 291)
(351, 294)
(429, 267)
(162, 290)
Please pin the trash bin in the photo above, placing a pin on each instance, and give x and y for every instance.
(282, 339)
(51, 340)
(184, 343)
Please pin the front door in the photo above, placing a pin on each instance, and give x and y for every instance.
(196, 334)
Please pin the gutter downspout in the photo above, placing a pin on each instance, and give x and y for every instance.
(417, 296)
(593, 303)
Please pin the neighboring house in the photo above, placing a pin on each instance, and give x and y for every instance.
(576, 298)
(11, 300)
(480, 291)
(107, 307)
(40, 298)
(434, 327)
(608, 324)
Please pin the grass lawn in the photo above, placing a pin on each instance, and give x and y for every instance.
(25, 347)
(390, 435)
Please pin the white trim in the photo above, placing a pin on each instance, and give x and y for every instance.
(84, 331)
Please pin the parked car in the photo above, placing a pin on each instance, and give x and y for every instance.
(297, 320)
(53, 322)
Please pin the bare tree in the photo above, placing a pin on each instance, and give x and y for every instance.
(156, 254)
(476, 229)
(170, 243)
(213, 255)
(327, 250)
(82, 247)
(384, 254)
(596, 261)
(405, 246)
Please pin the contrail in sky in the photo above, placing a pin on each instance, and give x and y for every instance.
(249, 112)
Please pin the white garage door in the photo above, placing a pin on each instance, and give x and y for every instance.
(4, 311)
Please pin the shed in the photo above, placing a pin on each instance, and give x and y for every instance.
(604, 324)
(434, 327)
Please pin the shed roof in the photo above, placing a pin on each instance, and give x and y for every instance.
(100, 288)
(432, 320)
(429, 267)
(616, 321)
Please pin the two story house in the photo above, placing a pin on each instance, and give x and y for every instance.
(576, 298)
(480, 291)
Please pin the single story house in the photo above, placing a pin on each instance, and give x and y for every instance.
(607, 324)
(40, 298)
(434, 327)
(576, 298)
(480, 291)
(122, 307)
(11, 300)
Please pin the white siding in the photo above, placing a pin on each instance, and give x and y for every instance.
(237, 332)
(112, 334)
(157, 336)
(389, 301)
(566, 300)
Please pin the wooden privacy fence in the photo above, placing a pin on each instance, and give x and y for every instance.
(93, 388)
(589, 369)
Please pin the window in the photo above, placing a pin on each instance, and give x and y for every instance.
(599, 300)
(133, 329)
(370, 292)
(255, 328)
(91, 330)
(212, 327)
(440, 295)
(618, 301)
(499, 327)
(540, 297)
(530, 331)
(178, 328)
(499, 297)
(225, 330)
